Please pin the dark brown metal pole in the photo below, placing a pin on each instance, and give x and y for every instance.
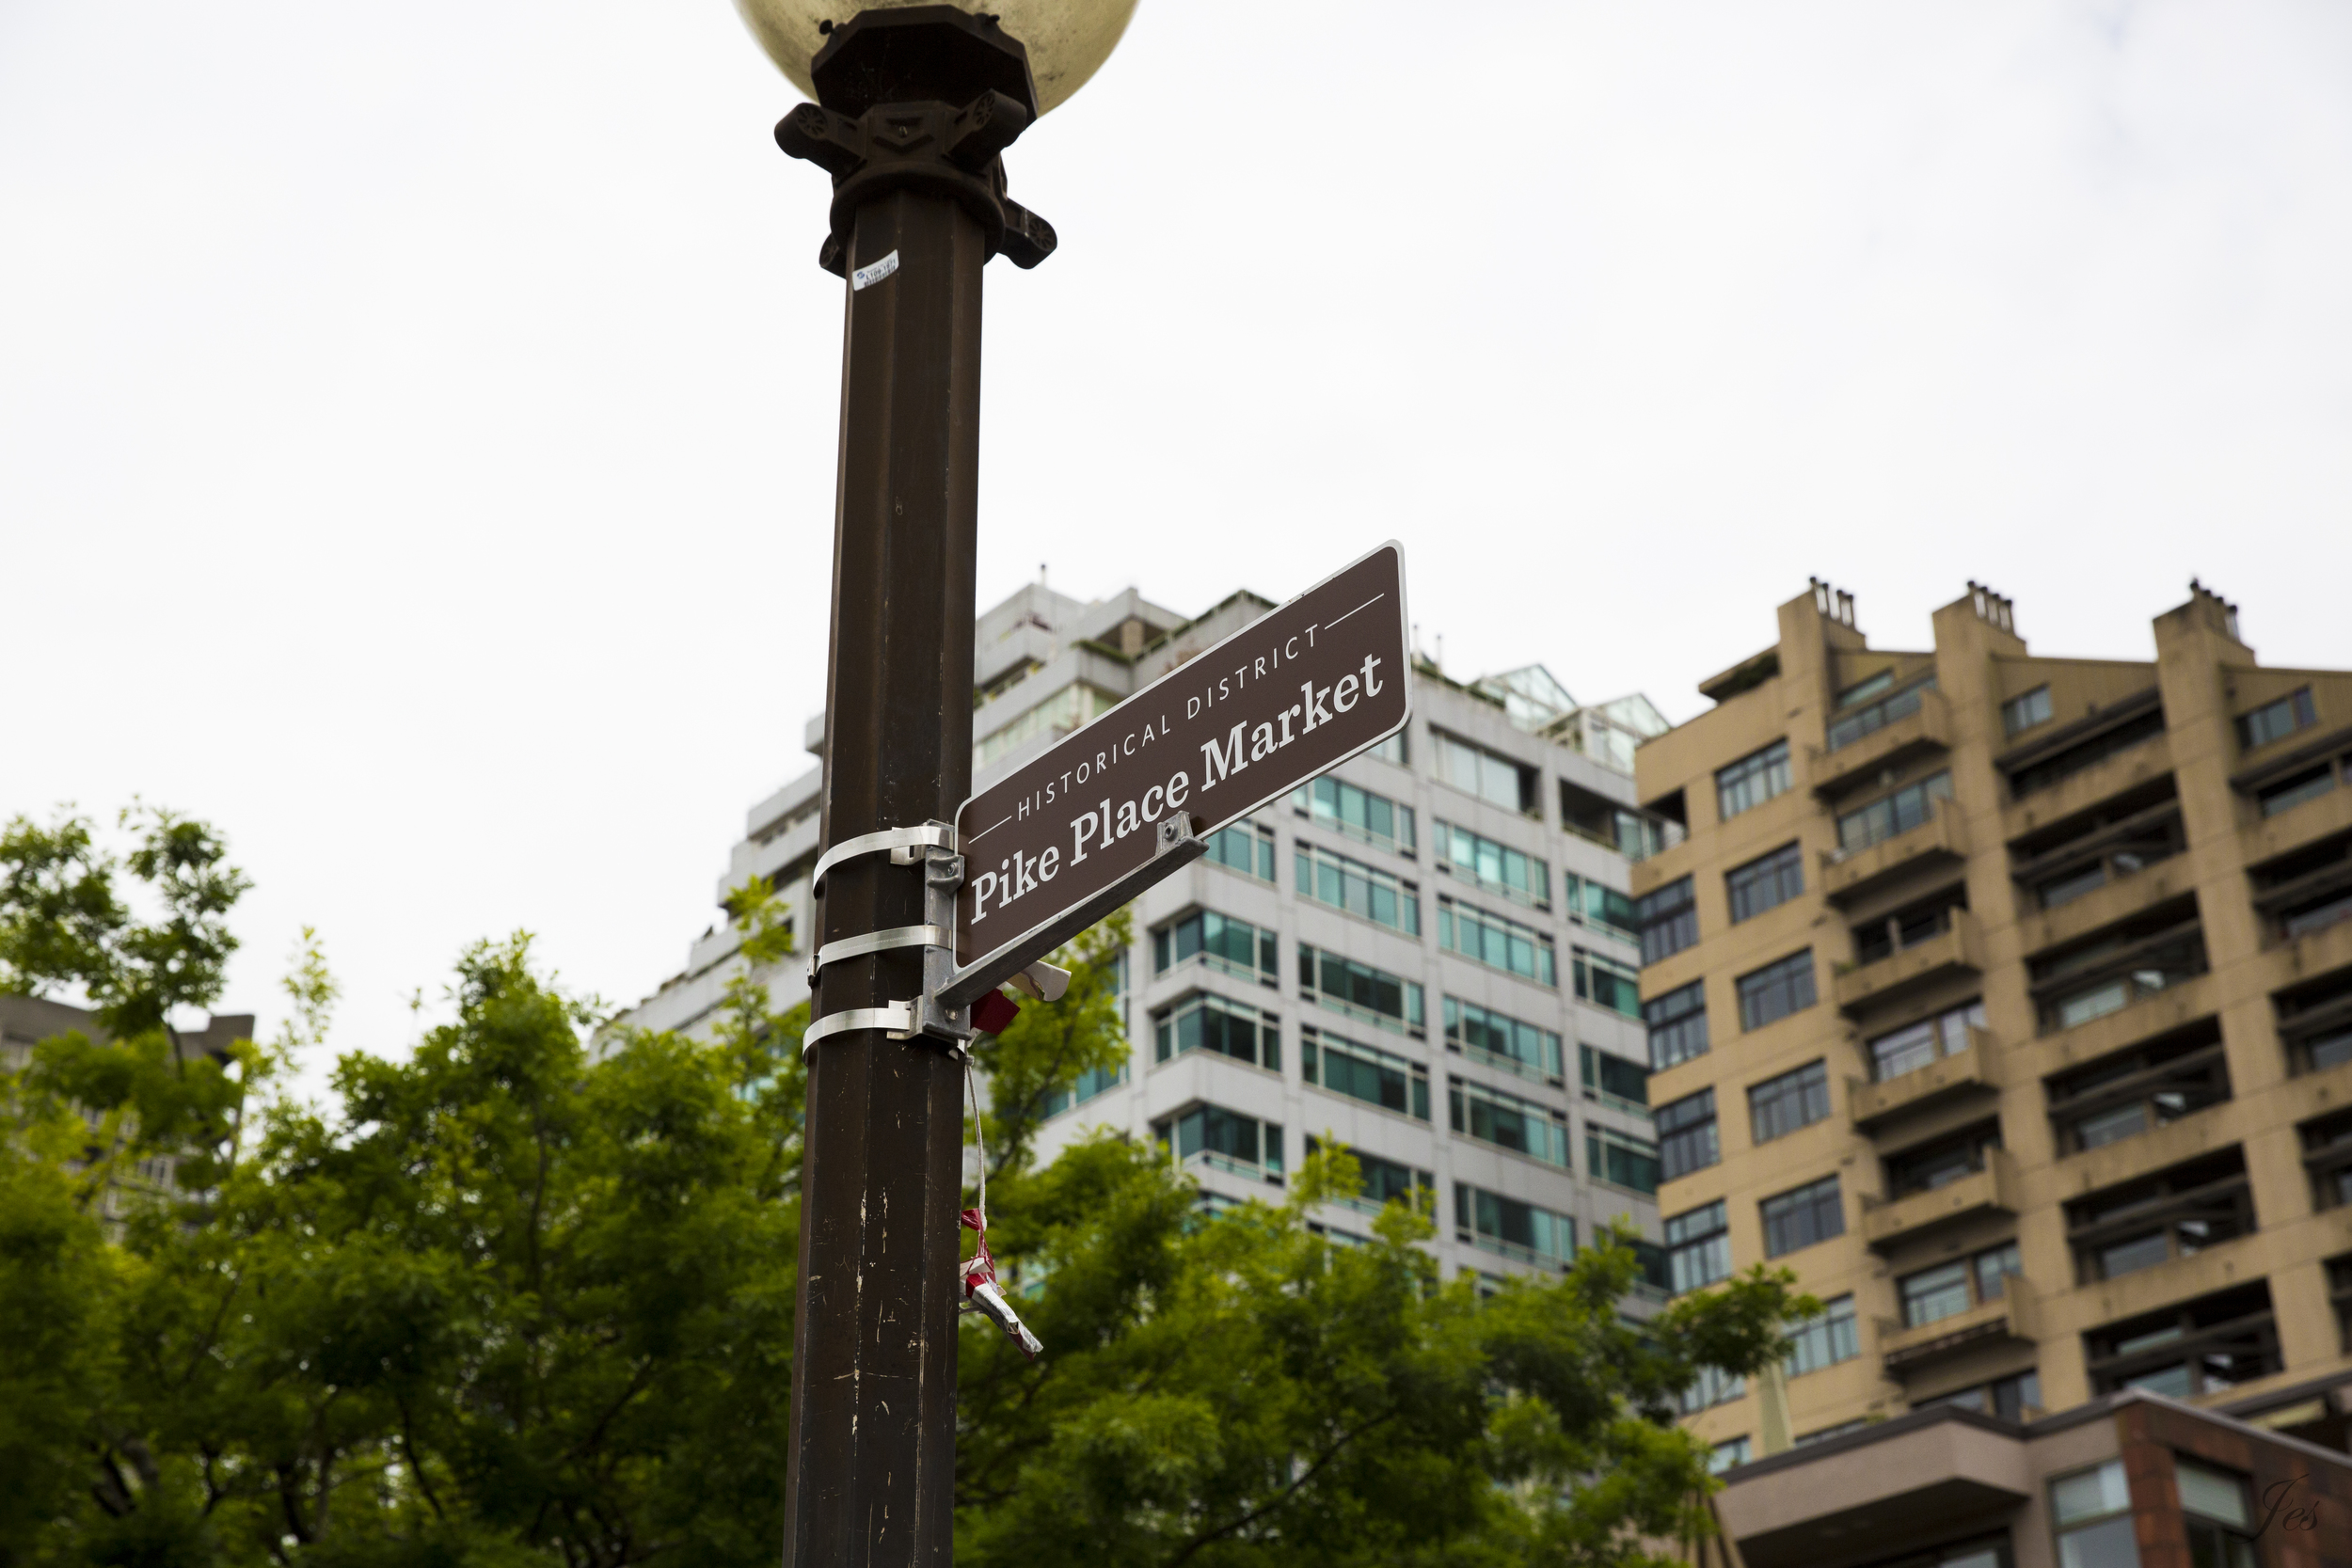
(913, 117)
(874, 1365)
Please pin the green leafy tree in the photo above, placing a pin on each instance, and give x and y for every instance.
(1244, 1391)
(526, 1297)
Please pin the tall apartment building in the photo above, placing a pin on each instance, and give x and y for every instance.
(1426, 956)
(2008, 1001)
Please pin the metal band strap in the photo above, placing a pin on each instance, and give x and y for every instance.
(931, 834)
(878, 941)
(897, 1019)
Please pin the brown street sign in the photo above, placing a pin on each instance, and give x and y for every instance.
(1124, 801)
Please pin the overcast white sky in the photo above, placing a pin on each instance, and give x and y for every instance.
(417, 422)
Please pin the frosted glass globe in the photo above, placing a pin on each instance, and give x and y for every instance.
(1068, 41)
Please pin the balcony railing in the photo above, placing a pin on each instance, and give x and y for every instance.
(1957, 947)
(2012, 1315)
(1923, 724)
(1936, 1083)
(1849, 875)
(1208, 1159)
(1992, 1189)
(1495, 1059)
(1512, 1250)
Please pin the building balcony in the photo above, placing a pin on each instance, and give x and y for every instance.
(1963, 1072)
(1927, 728)
(1939, 842)
(1957, 949)
(1887, 1222)
(2093, 787)
(2012, 1315)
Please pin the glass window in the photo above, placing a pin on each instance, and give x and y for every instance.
(1243, 847)
(1950, 1289)
(1941, 1161)
(1687, 1138)
(2203, 1346)
(1498, 1039)
(1863, 690)
(1612, 1078)
(1886, 711)
(1667, 920)
(1777, 990)
(2215, 1494)
(2086, 753)
(2020, 714)
(1826, 1340)
(1507, 1122)
(1798, 1219)
(1496, 867)
(1751, 781)
(1778, 1106)
(1393, 750)
(1497, 780)
(1497, 940)
(1607, 983)
(1610, 911)
(1206, 1023)
(1917, 1045)
(1225, 1140)
(1363, 891)
(1073, 705)
(1359, 990)
(1221, 942)
(1678, 1025)
(1344, 808)
(1698, 1248)
(1935, 1294)
(1621, 1160)
(1766, 883)
(1510, 1228)
(1722, 1456)
(1364, 1073)
(1713, 1386)
(1384, 1181)
(2277, 721)
(1092, 1082)
(1892, 815)
(2293, 792)
(2091, 1510)
(2014, 1398)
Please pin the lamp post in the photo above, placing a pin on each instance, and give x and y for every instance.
(915, 105)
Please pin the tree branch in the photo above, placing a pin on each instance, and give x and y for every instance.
(1279, 1499)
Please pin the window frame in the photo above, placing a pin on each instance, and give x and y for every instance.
(1166, 1018)
(1685, 1024)
(1806, 1086)
(1793, 973)
(1820, 1200)
(1689, 1123)
(1532, 893)
(1311, 861)
(1742, 882)
(1736, 789)
(2300, 715)
(1706, 1239)
(1317, 1044)
(1463, 1093)
(1666, 920)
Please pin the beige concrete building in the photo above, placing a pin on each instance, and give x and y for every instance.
(2008, 1002)
(2130, 1480)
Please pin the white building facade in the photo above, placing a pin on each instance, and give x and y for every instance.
(1426, 956)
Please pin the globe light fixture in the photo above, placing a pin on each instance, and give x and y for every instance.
(1068, 41)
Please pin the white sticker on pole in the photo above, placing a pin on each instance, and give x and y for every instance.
(874, 274)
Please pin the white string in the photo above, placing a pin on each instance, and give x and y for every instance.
(977, 1142)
